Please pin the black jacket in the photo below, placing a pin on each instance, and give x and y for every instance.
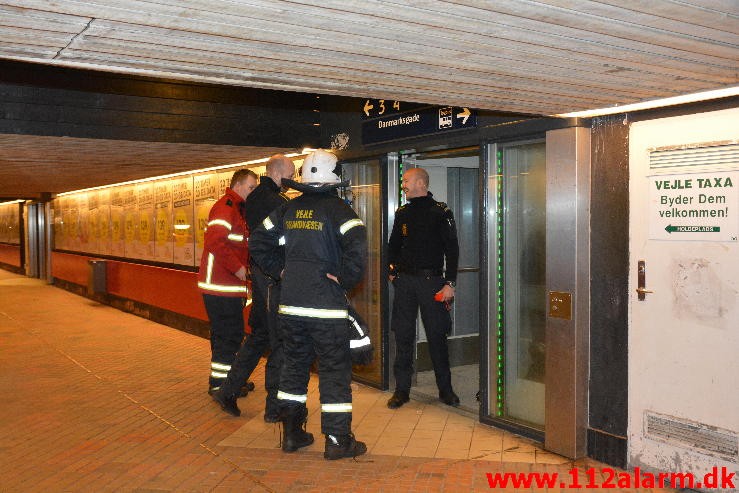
(261, 201)
(322, 235)
(424, 233)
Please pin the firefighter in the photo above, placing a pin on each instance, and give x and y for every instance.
(325, 254)
(223, 273)
(267, 197)
(422, 242)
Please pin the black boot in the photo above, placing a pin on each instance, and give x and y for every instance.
(294, 435)
(340, 446)
(449, 398)
(243, 392)
(248, 387)
(272, 409)
(227, 402)
(271, 415)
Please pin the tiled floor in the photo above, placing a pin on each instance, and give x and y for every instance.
(94, 399)
(465, 380)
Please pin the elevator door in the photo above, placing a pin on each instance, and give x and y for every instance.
(365, 197)
(37, 246)
(516, 225)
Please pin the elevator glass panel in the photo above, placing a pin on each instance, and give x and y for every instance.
(364, 195)
(517, 247)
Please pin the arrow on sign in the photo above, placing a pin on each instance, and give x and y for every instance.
(692, 229)
(368, 107)
(464, 115)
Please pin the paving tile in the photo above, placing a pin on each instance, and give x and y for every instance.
(124, 409)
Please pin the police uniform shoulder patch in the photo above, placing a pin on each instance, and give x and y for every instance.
(442, 206)
(284, 196)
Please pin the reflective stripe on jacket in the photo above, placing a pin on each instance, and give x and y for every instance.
(225, 250)
(321, 235)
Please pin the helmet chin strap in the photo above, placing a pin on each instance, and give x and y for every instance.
(337, 171)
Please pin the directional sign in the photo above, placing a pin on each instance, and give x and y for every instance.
(694, 206)
(376, 108)
(421, 121)
(692, 229)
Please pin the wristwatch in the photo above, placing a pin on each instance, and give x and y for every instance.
(451, 284)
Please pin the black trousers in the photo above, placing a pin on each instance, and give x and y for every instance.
(411, 293)
(329, 340)
(265, 334)
(226, 315)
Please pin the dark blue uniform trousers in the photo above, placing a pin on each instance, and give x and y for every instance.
(328, 339)
(411, 293)
(265, 334)
(226, 315)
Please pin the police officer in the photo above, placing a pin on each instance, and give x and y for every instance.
(423, 236)
(222, 275)
(325, 254)
(264, 199)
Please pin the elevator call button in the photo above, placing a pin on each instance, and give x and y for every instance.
(560, 305)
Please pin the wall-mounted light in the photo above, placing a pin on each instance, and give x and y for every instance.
(657, 103)
(181, 173)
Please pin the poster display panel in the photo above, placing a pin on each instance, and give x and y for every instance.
(183, 227)
(205, 188)
(117, 247)
(71, 223)
(144, 244)
(9, 225)
(130, 221)
(63, 204)
(57, 225)
(83, 223)
(7, 222)
(163, 238)
(224, 180)
(15, 225)
(103, 222)
(4, 224)
(93, 234)
(162, 221)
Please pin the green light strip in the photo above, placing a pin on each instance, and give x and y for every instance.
(499, 360)
(400, 180)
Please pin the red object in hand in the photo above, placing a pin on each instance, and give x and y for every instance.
(440, 298)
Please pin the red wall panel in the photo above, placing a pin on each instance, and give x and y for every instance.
(171, 289)
(10, 254)
(72, 268)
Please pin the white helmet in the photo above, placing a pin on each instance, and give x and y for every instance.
(320, 167)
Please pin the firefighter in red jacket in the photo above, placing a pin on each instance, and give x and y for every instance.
(223, 273)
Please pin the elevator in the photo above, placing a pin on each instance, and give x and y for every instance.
(519, 344)
(534, 301)
(37, 239)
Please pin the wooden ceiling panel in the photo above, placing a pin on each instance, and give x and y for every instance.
(544, 57)
(33, 164)
(248, 53)
(523, 56)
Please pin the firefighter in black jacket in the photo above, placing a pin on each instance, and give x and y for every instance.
(325, 254)
(266, 198)
(423, 237)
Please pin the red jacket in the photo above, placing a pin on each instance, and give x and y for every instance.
(225, 249)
